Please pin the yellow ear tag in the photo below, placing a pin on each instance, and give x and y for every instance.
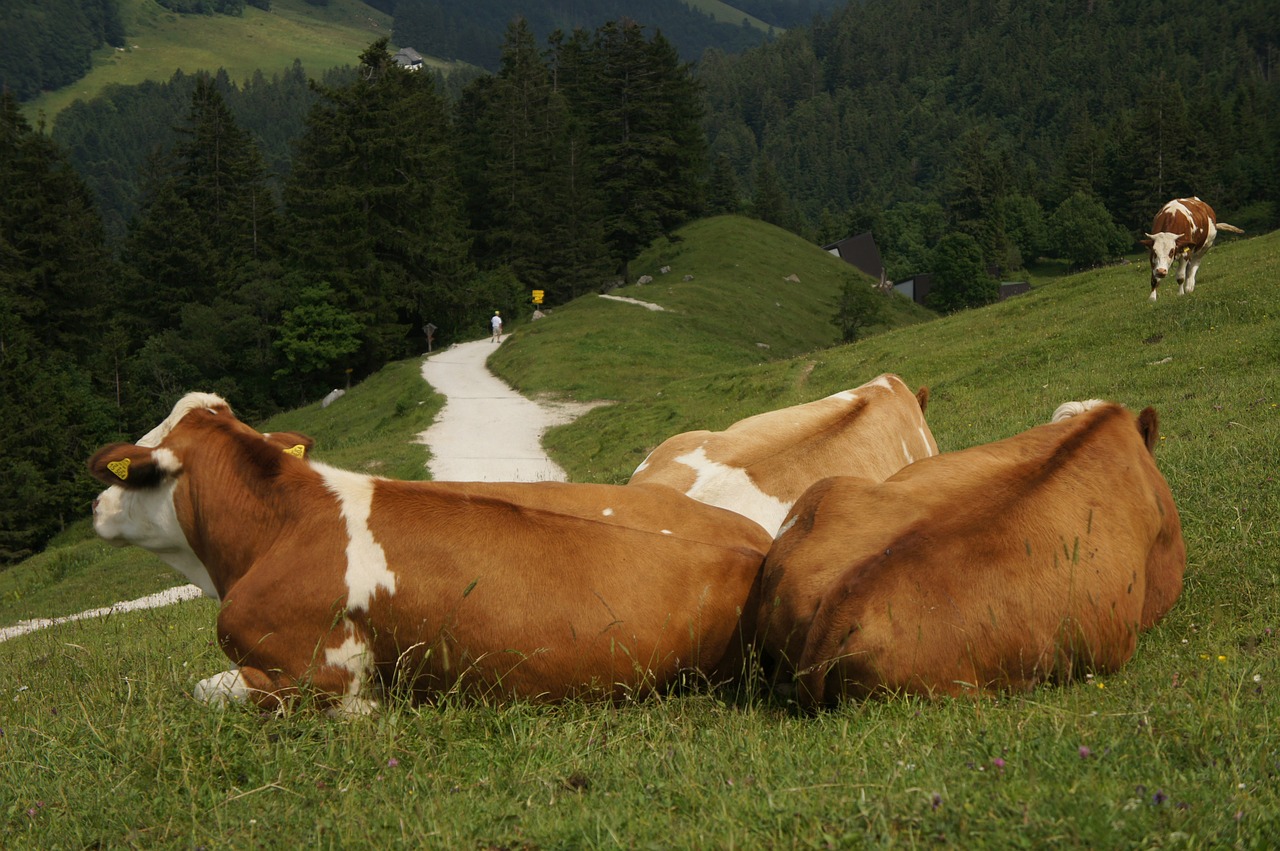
(298, 451)
(120, 468)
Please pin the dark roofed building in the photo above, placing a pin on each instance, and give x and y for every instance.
(861, 252)
(407, 57)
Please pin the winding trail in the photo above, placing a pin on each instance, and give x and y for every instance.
(486, 432)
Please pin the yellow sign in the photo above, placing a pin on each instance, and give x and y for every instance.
(537, 296)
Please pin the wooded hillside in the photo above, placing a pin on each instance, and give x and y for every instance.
(47, 43)
(911, 117)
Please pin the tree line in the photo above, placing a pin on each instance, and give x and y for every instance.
(1017, 129)
(401, 209)
(48, 44)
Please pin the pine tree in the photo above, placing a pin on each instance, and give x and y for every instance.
(55, 310)
(645, 114)
(375, 208)
(203, 254)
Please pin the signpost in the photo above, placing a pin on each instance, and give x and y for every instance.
(537, 296)
(430, 331)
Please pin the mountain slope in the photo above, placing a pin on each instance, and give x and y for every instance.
(737, 310)
(160, 42)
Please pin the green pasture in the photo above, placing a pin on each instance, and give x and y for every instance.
(102, 744)
(161, 42)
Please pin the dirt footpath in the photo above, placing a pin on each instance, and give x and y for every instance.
(488, 432)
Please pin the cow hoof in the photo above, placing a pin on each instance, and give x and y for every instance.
(1152, 297)
(353, 707)
(221, 689)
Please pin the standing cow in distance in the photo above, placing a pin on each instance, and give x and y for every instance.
(1032, 559)
(758, 467)
(1183, 230)
(336, 582)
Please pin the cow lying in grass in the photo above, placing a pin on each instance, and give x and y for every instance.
(1034, 558)
(1183, 230)
(332, 581)
(759, 466)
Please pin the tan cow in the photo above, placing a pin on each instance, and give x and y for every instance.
(331, 581)
(759, 466)
(1183, 230)
(998, 567)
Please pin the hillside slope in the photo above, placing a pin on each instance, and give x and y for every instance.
(737, 309)
(161, 42)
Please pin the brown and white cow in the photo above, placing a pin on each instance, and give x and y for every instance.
(1183, 230)
(333, 581)
(760, 466)
(1034, 558)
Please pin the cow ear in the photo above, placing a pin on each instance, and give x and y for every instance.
(1148, 242)
(125, 465)
(922, 397)
(1149, 428)
(293, 443)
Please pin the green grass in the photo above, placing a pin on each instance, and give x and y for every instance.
(160, 42)
(103, 744)
(725, 13)
(737, 311)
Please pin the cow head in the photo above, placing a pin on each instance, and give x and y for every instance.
(1165, 249)
(140, 506)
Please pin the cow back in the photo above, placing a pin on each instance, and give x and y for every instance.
(759, 466)
(996, 567)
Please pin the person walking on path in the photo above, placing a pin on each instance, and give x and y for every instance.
(496, 322)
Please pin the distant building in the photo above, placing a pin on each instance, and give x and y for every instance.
(407, 57)
(861, 252)
(915, 288)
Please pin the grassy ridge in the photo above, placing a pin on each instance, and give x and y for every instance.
(737, 310)
(1179, 749)
(725, 13)
(161, 42)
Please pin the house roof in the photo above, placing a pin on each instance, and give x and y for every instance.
(860, 251)
(407, 56)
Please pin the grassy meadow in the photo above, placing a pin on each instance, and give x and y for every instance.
(160, 42)
(101, 743)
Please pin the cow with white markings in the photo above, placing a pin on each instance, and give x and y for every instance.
(760, 466)
(1183, 232)
(335, 583)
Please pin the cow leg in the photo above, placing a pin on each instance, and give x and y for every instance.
(221, 689)
(1191, 269)
(1155, 282)
(281, 654)
(250, 685)
(1182, 278)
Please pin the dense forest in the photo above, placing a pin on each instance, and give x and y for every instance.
(916, 119)
(401, 208)
(47, 43)
(466, 31)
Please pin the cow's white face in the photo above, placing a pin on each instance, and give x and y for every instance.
(1164, 248)
(147, 517)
